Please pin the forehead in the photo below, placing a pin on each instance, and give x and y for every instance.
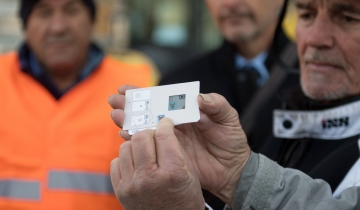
(56, 2)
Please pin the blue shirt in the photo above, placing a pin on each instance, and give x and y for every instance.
(258, 63)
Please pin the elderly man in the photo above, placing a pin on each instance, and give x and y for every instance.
(55, 136)
(318, 133)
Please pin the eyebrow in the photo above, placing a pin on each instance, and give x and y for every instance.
(343, 7)
(71, 3)
(41, 5)
(302, 5)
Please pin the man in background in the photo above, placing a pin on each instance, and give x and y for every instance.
(55, 134)
(243, 63)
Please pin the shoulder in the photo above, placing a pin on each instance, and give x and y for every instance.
(211, 60)
(194, 69)
(9, 62)
(207, 59)
(112, 63)
(9, 57)
(9, 68)
(137, 58)
(128, 73)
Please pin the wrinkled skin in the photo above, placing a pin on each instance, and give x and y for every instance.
(328, 39)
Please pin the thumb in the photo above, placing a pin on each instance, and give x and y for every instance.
(217, 108)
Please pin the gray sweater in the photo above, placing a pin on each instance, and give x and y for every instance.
(266, 185)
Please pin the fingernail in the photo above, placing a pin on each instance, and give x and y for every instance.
(207, 98)
(111, 114)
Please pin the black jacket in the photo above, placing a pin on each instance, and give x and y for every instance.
(320, 159)
(215, 71)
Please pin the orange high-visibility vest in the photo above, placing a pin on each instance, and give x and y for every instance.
(56, 154)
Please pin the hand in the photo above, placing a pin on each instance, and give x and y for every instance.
(216, 145)
(153, 172)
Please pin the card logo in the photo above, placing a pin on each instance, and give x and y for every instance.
(335, 123)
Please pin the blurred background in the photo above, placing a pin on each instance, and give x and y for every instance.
(165, 32)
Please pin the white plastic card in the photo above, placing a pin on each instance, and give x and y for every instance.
(145, 107)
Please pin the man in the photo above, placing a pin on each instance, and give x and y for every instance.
(243, 64)
(244, 69)
(318, 135)
(326, 103)
(56, 139)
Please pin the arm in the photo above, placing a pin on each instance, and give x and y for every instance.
(216, 156)
(266, 185)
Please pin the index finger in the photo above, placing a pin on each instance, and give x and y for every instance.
(124, 88)
(117, 101)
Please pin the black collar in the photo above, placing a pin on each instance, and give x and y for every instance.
(95, 57)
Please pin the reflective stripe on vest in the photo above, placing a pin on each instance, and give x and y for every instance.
(78, 181)
(20, 190)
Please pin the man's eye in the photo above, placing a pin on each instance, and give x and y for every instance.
(349, 19)
(305, 16)
(44, 13)
(72, 10)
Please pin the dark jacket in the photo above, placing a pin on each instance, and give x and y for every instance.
(329, 160)
(215, 71)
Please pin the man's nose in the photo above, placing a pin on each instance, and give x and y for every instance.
(321, 33)
(230, 3)
(58, 24)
